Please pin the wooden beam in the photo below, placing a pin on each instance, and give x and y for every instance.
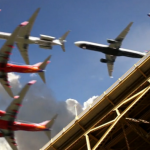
(81, 126)
(108, 98)
(101, 126)
(118, 118)
(53, 147)
(125, 136)
(129, 99)
(137, 129)
(105, 115)
(93, 137)
(136, 67)
(117, 111)
(88, 142)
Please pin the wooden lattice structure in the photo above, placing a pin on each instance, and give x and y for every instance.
(119, 119)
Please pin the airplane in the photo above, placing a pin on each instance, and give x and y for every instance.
(112, 50)
(6, 67)
(8, 124)
(24, 39)
(148, 14)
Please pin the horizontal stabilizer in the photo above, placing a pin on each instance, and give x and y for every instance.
(42, 66)
(42, 76)
(48, 133)
(48, 124)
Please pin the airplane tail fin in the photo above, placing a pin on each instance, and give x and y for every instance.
(62, 40)
(42, 66)
(48, 125)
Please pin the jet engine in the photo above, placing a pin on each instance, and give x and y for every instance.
(103, 60)
(45, 41)
(45, 46)
(111, 41)
(46, 37)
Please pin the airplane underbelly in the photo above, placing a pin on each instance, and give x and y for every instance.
(130, 54)
(20, 70)
(111, 51)
(93, 47)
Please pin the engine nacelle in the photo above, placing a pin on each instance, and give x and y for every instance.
(45, 46)
(111, 41)
(103, 60)
(46, 37)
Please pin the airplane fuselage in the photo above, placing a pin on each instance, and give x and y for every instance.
(21, 126)
(110, 51)
(29, 40)
(20, 68)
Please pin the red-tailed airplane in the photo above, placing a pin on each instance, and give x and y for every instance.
(6, 67)
(8, 124)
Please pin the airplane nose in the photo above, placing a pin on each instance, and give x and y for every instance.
(77, 44)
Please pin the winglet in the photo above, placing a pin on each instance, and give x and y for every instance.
(31, 82)
(17, 96)
(24, 23)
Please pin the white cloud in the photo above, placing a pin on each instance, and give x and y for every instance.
(4, 145)
(15, 84)
(89, 102)
(71, 103)
(14, 79)
(33, 75)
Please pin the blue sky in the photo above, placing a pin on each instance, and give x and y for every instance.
(78, 73)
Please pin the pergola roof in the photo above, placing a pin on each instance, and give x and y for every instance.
(118, 119)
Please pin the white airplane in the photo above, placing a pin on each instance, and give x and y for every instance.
(112, 50)
(24, 39)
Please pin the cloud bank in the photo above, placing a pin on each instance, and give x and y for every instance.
(39, 105)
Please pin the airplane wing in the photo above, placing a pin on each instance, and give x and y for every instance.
(5, 52)
(5, 83)
(11, 113)
(110, 63)
(23, 48)
(12, 142)
(12, 109)
(120, 37)
(10, 138)
(25, 33)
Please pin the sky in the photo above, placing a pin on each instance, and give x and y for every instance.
(76, 74)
